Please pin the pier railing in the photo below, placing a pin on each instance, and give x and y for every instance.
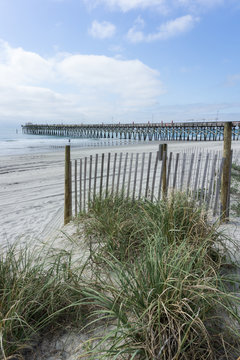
(151, 176)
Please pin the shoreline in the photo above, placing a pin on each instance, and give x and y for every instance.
(55, 149)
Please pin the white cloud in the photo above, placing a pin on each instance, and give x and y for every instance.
(124, 5)
(70, 88)
(102, 30)
(177, 26)
(167, 30)
(201, 3)
(135, 33)
(161, 5)
(19, 66)
(233, 80)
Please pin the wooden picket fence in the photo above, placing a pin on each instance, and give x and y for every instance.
(147, 176)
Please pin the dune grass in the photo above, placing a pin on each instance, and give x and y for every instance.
(121, 225)
(37, 293)
(161, 284)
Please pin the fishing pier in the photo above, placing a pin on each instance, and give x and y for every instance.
(188, 131)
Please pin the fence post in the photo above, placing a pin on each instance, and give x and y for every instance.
(67, 189)
(225, 185)
(162, 150)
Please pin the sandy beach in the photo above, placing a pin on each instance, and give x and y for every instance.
(32, 188)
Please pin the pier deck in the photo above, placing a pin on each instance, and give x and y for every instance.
(190, 131)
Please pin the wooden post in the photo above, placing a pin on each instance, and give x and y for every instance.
(70, 189)
(229, 184)
(160, 152)
(67, 190)
(164, 169)
(225, 185)
(75, 183)
(161, 149)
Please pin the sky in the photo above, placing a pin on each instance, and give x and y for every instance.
(110, 61)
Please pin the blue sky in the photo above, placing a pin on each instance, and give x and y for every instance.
(74, 61)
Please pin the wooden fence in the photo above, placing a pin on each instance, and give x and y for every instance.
(147, 176)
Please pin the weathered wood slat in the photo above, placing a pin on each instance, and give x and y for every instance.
(148, 174)
(129, 176)
(229, 185)
(124, 173)
(154, 177)
(135, 177)
(175, 171)
(208, 176)
(101, 178)
(90, 181)
(141, 178)
(80, 186)
(183, 171)
(108, 172)
(226, 171)
(190, 171)
(95, 177)
(84, 184)
(217, 167)
(114, 171)
(161, 175)
(169, 169)
(119, 172)
(195, 193)
(204, 178)
(216, 203)
(67, 180)
(210, 191)
(164, 171)
(70, 185)
(75, 183)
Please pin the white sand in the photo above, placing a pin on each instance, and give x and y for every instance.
(32, 188)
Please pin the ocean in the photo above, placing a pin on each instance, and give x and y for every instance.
(13, 142)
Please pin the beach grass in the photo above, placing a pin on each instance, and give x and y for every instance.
(160, 285)
(121, 225)
(37, 294)
(169, 297)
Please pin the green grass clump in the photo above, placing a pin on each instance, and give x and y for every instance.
(118, 222)
(38, 293)
(121, 225)
(171, 301)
